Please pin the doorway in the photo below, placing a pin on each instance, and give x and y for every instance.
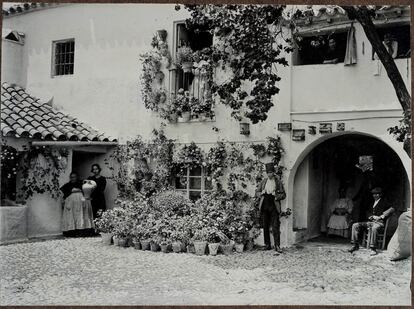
(331, 165)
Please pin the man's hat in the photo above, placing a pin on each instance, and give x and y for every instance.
(376, 190)
(270, 168)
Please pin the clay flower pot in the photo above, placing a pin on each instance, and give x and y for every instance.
(186, 116)
(176, 246)
(200, 247)
(239, 248)
(145, 244)
(187, 67)
(106, 238)
(212, 248)
(123, 242)
(154, 247)
(164, 248)
(227, 249)
(137, 244)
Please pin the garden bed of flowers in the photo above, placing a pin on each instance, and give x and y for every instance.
(169, 222)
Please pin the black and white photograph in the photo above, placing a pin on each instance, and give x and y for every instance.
(205, 154)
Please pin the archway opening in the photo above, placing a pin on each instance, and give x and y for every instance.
(332, 165)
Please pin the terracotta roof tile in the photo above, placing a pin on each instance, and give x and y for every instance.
(25, 116)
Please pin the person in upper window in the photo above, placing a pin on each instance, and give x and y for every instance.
(98, 195)
(332, 54)
(391, 45)
(270, 192)
(377, 215)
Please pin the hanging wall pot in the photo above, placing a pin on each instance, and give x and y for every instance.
(284, 126)
(340, 126)
(159, 76)
(187, 67)
(244, 128)
(325, 127)
(312, 130)
(298, 135)
(162, 34)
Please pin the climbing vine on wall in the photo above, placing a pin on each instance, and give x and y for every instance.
(41, 169)
(250, 43)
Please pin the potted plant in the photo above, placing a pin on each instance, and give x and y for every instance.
(259, 150)
(159, 76)
(213, 241)
(162, 34)
(200, 241)
(104, 223)
(184, 58)
(181, 103)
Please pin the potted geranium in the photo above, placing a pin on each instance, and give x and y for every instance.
(200, 241)
(104, 223)
(181, 103)
(184, 58)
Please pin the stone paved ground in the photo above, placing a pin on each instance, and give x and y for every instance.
(84, 271)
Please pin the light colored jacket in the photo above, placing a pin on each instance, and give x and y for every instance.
(279, 193)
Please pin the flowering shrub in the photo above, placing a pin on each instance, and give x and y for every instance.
(189, 156)
(171, 203)
(216, 160)
(259, 150)
(105, 222)
(184, 54)
(181, 102)
(41, 170)
(274, 149)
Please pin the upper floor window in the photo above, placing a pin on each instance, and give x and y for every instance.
(195, 183)
(63, 57)
(397, 41)
(320, 49)
(190, 75)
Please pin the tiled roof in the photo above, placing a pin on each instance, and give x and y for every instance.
(25, 116)
(25, 7)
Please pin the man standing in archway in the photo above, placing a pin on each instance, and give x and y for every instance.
(271, 192)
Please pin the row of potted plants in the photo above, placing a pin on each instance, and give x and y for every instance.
(169, 221)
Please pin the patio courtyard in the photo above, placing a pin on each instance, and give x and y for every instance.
(83, 271)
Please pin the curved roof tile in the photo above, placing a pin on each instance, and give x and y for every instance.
(23, 115)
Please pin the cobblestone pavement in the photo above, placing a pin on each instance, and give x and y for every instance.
(84, 271)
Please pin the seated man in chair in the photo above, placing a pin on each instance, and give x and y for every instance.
(377, 215)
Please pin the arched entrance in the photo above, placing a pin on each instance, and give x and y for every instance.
(332, 164)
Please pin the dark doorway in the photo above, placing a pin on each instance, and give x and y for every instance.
(332, 164)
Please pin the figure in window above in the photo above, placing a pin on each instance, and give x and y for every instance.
(332, 54)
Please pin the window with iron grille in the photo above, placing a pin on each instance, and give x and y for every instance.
(195, 183)
(63, 57)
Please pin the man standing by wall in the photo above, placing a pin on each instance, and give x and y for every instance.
(271, 192)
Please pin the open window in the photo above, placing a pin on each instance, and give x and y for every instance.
(400, 35)
(319, 49)
(195, 183)
(193, 79)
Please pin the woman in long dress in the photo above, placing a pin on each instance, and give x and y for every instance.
(341, 210)
(98, 195)
(77, 217)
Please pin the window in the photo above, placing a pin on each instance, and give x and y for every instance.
(192, 80)
(63, 57)
(316, 49)
(195, 183)
(399, 34)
